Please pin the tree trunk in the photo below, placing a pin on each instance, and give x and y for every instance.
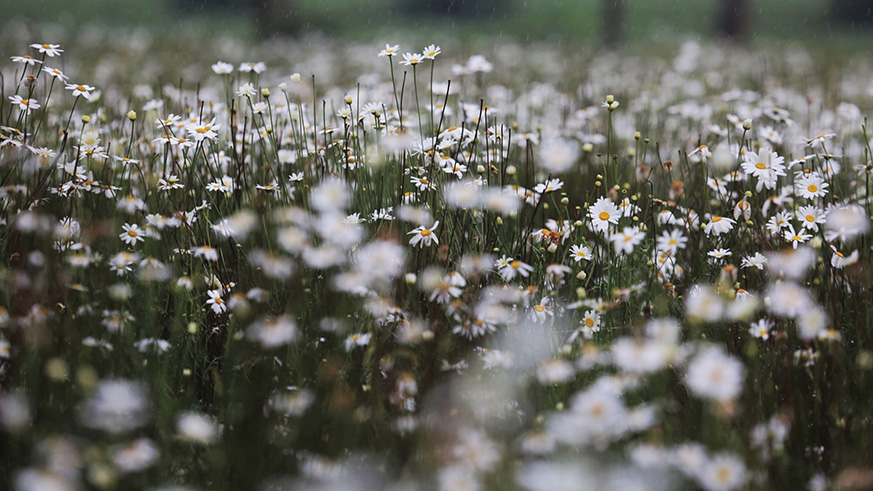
(613, 23)
(733, 17)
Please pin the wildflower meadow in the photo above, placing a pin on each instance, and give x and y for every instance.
(402, 265)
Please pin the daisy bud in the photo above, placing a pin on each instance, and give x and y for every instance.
(295, 77)
(767, 301)
(581, 275)
(186, 372)
(610, 99)
(597, 183)
(577, 223)
(647, 140)
(427, 335)
(86, 119)
(192, 328)
(87, 377)
(131, 115)
(559, 406)
(581, 293)
(565, 201)
(56, 369)
(747, 124)
(411, 278)
(599, 177)
(511, 170)
(499, 221)
(588, 148)
(283, 86)
(748, 194)
(480, 168)
(265, 92)
(649, 263)
(637, 135)
(553, 247)
(816, 243)
(348, 99)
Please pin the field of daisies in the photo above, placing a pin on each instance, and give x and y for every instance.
(329, 265)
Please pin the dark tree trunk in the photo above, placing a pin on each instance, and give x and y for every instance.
(733, 17)
(613, 23)
(853, 12)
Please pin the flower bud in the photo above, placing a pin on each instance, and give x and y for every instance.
(131, 115)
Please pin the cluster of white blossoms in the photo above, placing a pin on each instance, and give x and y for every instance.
(516, 283)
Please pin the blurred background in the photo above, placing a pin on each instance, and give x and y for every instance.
(845, 23)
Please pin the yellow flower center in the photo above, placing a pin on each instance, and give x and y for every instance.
(603, 215)
(761, 165)
(812, 188)
(810, 218)
(132, 233)
(539, 308)
(46, 46)
(81, 88)
(425, 232)
(838, 253)
(796, 237)
(716, 219)
(515, 264)
(589, 322)
(201, 130)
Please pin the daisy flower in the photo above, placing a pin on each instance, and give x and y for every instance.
(810, 217)
(777, 222)
(80, 90)
(756, 260)
(424, 236)
(766, 166)
(840, 261)
(215, 300)
(811, 186)
(222, 68)
(356, 340)
(51, 50)
(672, 241)
(430, 52)
(132, 234)
(171, 182)
(588, 325)
(761, 329)
(512, 267)
(206, 252)
(247, 90)
(412, 59)
(602, 213)
(26, 59)
(719, 253)
(54, 72)
(794, 237)
(625, 241)
(719, 225)
(819, 140)
(24, 104)
(248, 67)
(549, 185)
(389, 50)
(579, 253)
